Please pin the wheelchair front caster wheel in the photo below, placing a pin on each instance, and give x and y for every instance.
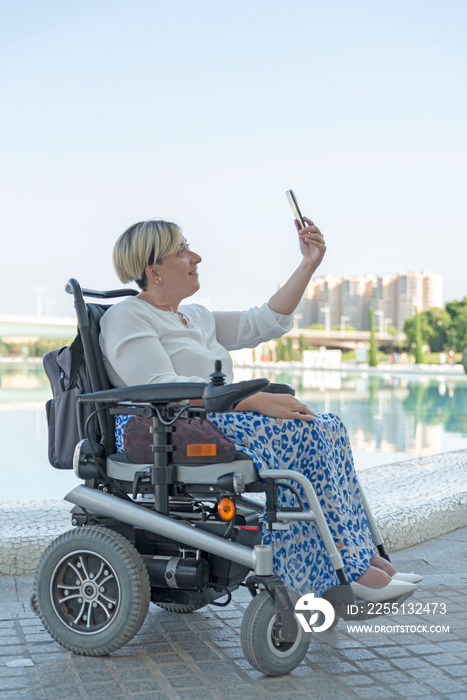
(91, 590)
(262, 642)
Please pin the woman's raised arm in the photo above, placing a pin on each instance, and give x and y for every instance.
(313, 248)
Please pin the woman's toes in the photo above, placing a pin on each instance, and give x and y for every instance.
(374, 578)
(384, 565)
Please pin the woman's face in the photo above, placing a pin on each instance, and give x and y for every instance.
(179, 272)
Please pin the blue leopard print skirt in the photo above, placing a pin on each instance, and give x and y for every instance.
(320, 450)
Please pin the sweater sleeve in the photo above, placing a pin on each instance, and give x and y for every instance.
(246, 329)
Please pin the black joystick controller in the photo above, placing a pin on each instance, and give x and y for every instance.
(220, 397)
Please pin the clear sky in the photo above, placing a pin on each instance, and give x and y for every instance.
(205, 112)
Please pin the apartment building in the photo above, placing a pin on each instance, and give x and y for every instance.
(339, 301)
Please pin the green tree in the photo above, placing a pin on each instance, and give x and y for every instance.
(373, 361)
(438, 322)
(302, 345)
(419, 356)
(434, 328)
(280, 350)
(457, 332)
(36, 349)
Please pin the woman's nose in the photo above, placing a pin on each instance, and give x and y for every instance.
(197, 258)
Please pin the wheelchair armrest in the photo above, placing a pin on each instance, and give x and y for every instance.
(151, 393)
(225, 397)
(215, 398)
(275, 388)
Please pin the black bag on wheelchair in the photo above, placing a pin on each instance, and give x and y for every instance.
(66, 418)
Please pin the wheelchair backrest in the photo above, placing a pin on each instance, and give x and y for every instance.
(88, 319)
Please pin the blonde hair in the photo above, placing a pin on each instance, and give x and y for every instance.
(143, 244)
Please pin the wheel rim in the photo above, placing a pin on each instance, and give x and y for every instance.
(276, 642)
(85, 592)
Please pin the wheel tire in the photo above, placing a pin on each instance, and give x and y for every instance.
(259, 647)
(91, 590)
(33, 604)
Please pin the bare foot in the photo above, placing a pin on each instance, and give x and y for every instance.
(383, 564)
(374, 578)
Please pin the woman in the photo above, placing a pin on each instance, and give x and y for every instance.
(150, 338)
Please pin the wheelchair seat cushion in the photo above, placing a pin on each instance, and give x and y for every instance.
(137, 441)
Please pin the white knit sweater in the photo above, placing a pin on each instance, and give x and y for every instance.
(145, 345)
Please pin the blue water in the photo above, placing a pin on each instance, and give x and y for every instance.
(389, 419)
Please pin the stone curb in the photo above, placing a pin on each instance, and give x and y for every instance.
(419, 499)
(412, 502)
(26, 529)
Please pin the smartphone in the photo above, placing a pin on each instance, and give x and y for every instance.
(295, 208)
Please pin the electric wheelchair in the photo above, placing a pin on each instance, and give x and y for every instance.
(179, 535)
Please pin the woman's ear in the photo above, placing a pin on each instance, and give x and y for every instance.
(152, 274)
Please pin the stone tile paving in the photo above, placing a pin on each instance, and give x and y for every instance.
(178, 657)
(186, 657)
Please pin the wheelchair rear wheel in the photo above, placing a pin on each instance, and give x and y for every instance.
(91, 590)
(262, 642)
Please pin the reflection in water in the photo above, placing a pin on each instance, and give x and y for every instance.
(397, 415)
(405, 414)
(25, 381)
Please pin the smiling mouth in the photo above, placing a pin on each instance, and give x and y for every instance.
(195, 272)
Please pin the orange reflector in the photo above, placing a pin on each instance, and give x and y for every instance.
(201, 450)
(226, 509)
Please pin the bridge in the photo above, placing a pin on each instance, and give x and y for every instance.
(348, 340)
(23, 329)
(29, 328)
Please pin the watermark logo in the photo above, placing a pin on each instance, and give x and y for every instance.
(321, 611)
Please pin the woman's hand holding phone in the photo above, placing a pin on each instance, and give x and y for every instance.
(311, 239)
(312, 245)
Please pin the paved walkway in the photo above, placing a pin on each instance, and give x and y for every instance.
(186, 657)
